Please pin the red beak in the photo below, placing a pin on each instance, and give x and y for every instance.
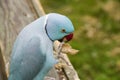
(69, 37)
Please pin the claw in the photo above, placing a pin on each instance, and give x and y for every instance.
(59, 66)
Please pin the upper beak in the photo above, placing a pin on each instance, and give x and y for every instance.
(67, 38)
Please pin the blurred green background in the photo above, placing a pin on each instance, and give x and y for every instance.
(97, 36)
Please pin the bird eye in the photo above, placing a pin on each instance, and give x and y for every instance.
(63, 30)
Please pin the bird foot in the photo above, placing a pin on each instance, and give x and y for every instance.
(60, 65)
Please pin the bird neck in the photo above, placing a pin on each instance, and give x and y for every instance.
(45, 24)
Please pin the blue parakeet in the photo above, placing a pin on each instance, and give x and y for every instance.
(32, 55)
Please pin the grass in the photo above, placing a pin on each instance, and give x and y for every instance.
(97, 36)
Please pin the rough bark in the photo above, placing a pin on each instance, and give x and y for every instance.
(3, 75)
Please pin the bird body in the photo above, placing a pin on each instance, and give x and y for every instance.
(32, 55)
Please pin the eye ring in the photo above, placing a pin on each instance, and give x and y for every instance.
(63, 30)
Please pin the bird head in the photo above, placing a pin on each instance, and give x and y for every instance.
(59, 27)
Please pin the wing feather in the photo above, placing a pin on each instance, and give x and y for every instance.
(30, 61)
